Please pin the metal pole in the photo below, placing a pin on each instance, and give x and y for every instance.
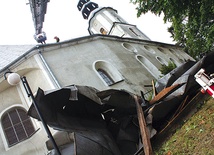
(30, 94)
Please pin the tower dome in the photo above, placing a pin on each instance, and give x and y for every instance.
(86, 7)
(106, 21)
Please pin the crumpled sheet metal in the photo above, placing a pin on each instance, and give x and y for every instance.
(87, 109)
(163, 110)
(113, 110)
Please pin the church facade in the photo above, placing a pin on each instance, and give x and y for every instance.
(116, 55)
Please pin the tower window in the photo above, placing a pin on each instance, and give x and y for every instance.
(103, 31)
(17, 126)
(105, 77)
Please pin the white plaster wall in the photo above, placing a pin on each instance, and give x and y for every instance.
(35, 145)
(16, 96)
(74, 64)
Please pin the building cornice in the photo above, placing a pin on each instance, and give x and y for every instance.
(53, 46)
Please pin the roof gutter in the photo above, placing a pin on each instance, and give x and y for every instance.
(18, 61)
(48, 69)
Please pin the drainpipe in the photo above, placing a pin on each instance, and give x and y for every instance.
(48, 69)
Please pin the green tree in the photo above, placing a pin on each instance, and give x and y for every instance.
(165, 69)
(192, 21)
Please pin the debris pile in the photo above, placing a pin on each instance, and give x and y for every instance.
(117, 122)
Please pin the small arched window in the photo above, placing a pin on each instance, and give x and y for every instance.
(107, 72)
(174, 61)
(17, 126)
(150, 67)
(105, 77)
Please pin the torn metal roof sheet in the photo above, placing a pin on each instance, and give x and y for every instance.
(112, 115)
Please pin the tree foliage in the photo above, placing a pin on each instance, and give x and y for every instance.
(192, 21)
(165, 69)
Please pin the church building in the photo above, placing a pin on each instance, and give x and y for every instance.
(115, 55)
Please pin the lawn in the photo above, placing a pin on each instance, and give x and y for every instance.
(196, 135)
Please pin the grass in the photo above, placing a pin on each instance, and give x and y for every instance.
(195, 137)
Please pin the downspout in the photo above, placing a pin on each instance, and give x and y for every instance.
(48, 69)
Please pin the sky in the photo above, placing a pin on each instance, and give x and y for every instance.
(64, 20)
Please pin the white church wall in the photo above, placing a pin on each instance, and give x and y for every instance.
(74, 64)
(130, 63)
(16, 97)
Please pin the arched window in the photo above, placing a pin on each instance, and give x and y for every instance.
(129, 47)
(107, 72)
(149, 66)
(105, 77)
(162, 61)
(17, 126)
(174, 61)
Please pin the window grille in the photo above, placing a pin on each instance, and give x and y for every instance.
(17, 126)
(105, 77)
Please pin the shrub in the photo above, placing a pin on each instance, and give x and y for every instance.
(165, 69)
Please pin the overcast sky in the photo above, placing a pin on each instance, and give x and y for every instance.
(65, 21)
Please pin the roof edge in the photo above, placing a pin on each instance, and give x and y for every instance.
(38, 48)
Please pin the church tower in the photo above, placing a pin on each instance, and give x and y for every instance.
(106, 21)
